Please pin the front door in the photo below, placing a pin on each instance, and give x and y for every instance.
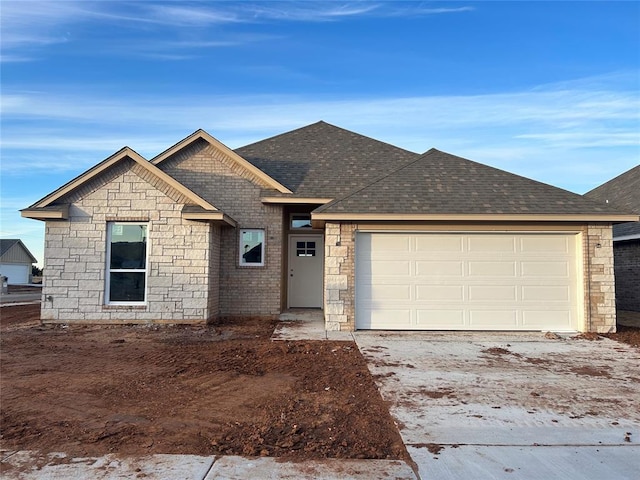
(306, 254)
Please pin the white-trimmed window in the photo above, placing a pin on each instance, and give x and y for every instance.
(126, 279)
(251, 247)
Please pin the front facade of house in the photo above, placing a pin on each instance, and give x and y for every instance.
(323, 218)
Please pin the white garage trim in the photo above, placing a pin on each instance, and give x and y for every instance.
(468, 281)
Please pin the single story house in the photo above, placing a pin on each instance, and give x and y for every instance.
(15, 261)
(624, 192)
(375, 236)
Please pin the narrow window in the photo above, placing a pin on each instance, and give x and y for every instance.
(252, 247)
(126, 263)
(300, 221)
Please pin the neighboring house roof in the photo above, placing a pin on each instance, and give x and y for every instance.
(8, 244)
(438, 185)
(622, 191)
(324, 161)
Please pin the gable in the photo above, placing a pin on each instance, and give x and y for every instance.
(223, 154)
(55, 205)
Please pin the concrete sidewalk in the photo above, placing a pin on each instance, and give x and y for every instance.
(25, 465)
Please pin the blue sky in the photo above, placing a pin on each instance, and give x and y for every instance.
(549, 90)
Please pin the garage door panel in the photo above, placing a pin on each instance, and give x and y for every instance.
(548, 293)
(438, 243)
(472, 281)
(387, 319)
(440, 292)
(492, 269)
(557, 320)
(387, 292)
(387, 268)
(430, 268)
(439, 319)
(544, 244)
(494, 293)
(391, 243)
(542, 269)
(493, 319)
(491, 243)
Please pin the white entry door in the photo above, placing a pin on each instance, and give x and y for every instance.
(306, 253)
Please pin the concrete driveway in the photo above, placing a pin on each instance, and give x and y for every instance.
(493, 405)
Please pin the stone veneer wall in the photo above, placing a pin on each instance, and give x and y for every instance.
(339, 276)
(215, 177)
(180, 253)
(600, 299)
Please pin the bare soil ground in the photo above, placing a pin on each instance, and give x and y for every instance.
(224, 389)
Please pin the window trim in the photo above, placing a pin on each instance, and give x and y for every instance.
(108, 270)
(241, 261)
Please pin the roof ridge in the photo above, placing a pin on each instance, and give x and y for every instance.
(321, 122)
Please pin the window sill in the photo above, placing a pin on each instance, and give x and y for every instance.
(124, 307)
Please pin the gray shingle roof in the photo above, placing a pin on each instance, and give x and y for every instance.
(627, 229)
(441, 183)
(6, 244)
(321, 160)
(623, 191)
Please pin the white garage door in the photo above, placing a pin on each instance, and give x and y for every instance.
(17, 274)
(475, 281)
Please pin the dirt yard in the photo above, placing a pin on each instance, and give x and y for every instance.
(226, 389)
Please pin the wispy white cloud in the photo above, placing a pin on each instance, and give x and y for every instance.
(35, 24)
(539, 132)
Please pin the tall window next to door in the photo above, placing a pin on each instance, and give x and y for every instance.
(126, 263)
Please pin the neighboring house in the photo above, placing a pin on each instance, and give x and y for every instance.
(323, 218)
(15, 261)
(624, 192)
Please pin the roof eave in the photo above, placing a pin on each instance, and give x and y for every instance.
(296, 200)
(612, 218)
(60, 213)
(217, 217)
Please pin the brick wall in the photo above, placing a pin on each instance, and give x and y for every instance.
(181, 255)
(600, 307)
(627, 272)
(215, 177)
